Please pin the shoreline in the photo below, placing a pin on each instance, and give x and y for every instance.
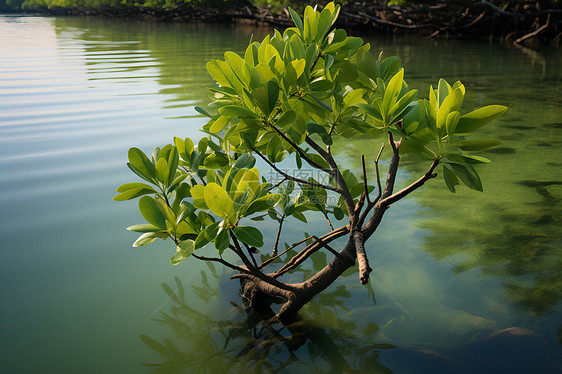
(456, 19)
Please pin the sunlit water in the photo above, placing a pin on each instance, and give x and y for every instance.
(452, 272)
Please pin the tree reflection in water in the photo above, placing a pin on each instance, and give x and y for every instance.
(521, 245)
(241, 340)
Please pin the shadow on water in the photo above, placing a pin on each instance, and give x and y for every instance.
(234, 339)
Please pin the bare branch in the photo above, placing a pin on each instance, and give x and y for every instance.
(412, 187)
(285, 251)
(222, 261)
(379, 208)
(310, 249)
(365, 179)
(289, 177)
(299, 150)
(389, 198)
(277, 184)
(378, 174)
(325, 245)
(277, 238)
(251, 253)
(332, 127)
(254, 270)
(335, 171)
(534, 33)
(329, 222)
(238, 250)
(362, 261)
(372, 204)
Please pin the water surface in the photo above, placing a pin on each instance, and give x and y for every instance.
(468, 282)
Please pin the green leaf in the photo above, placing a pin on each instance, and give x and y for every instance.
(260, 96)
(442, 90)
(452, 103)
(301, 217)
(216, 72)
(173, 162)
(320, 103)
(296, 20)
(236, 111)
(392, 91)
(402, 104)
(275, 150)
(451, 179)
(219, 124)
(222, 241)
(145, 227)
(480, 117)
(372, 110)
(216, 161)
(467, 159)
(184, 249)
(207, 235)
(467, 175)
(162, 170)
(329, 61)
(452, 121)
(134, 186)
(246, 160)
(287, 118)
(142, 163)
(218, 201)
(249, 235)
(145, 239)
(202, 145)
(272, 95)
(198, 194)
(150, 210)
(262, 204)
(202, 111)
(318, 160)
(313, 128)
(389, 66)
(476, 145)
(338, 213)
(133, 193)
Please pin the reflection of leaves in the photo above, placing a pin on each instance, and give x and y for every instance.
(522, 245)
(244, 342)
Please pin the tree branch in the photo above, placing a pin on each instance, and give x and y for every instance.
(254, 270)
(277, 238)
(389, 198)
(362, 261)
(277, 184)
(328, 219)
(222, 261)
(412, 187)
(372, 204)
(379, 208)
(325, 245)
(365, 180)
(285, 251)
(299, 150)
(335, 171)
(512, 14)
(295, 179)
(310, 249)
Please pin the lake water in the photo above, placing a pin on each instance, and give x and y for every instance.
(463, 283)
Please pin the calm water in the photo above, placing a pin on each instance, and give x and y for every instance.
(467, 282)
